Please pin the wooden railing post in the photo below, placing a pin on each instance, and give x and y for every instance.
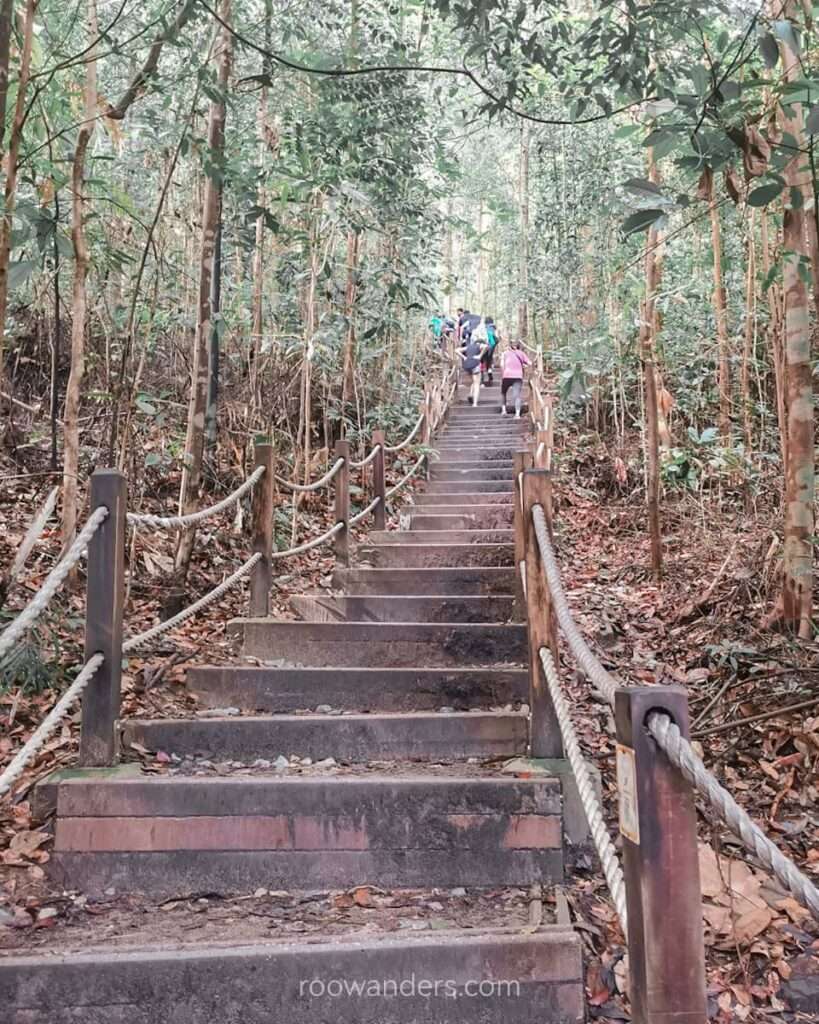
(261, 525)
(426, 425)
(342, 504)
(522, 462)
(659, 829)
(379, 481)
(549, 425)
(105, 595)
(544, 731)
(542, 455)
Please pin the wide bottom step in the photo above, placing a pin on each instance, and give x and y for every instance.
(452, 977)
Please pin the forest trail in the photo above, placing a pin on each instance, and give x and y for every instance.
(415, 667)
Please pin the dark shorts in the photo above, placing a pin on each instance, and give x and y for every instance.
(511, 382)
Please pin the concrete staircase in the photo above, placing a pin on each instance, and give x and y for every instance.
(410, 676)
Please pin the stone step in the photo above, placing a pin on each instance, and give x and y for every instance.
(446, 555)
(484, 415)
(475, 485)
(371, 644)
(475, 580)
(504, 435)
(418, 736)
(256, 688)
(402, 608)
(473, 461)
(428, 497)
(382, 537)
(462, 517)
(535, 977)
(174, 835)
(505, 452)
(447, 471)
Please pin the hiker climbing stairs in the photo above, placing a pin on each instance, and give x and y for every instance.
(405, 686)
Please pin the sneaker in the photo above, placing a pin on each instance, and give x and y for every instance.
(517, 415)
(504, 412)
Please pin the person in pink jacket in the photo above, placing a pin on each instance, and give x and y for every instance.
(514, 362)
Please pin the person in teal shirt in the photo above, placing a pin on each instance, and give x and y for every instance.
(436, 326)
(492, 338)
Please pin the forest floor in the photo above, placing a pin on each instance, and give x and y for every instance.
(702, 628)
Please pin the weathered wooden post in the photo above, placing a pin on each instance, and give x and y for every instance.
(542, 453)
(522, 462)
(544, 732)
(261, 525)
(379, 481)
(105, 595)
(342, 505)
(659, 829)
(549, 426)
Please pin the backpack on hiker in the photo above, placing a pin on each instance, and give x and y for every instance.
(479, 333)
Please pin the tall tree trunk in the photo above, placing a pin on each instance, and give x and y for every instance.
(720, 310)
(267, 139)
(481, 274)
(775, 333)
(797, 590)
(195, 439)
(350, 294)
(6, 12)
(56, 339)
(523, 249)
(748, 339)
(648, 354)
(79, 302)
(448, 255)
(13, 155)
(214, 345)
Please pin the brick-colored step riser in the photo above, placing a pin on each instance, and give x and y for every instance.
(264, 984)
(281, 690)
(436, 555)
(452, 581)
(441, 537)
(477, 486)
(368, 646)
(171, 836)
(351, 738)
(319, 608)
(462, 518)
(462, 498)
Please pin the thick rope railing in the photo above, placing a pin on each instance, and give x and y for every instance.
(673, 744)
(365, 462)
(408, 438)
(365, 511)
(683, 756)
(35, 742)
(310, 544)
(52, 583)
(603, 681)
(406, 477)
(145, 639)
(291, 485)
(192, 518)
(588, 797)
